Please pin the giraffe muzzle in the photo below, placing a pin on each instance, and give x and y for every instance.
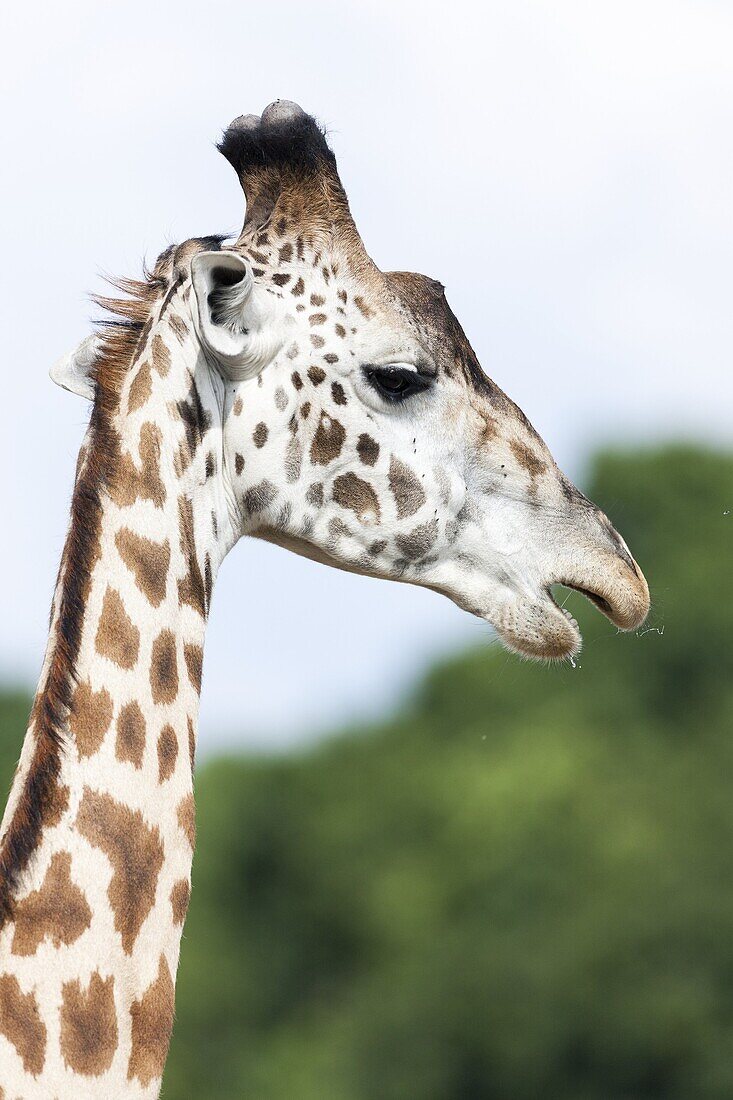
(616, 586)
(530, 620)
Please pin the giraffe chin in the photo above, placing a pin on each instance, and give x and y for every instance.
(538, 629)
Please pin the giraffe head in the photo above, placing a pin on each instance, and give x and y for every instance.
(357, 427)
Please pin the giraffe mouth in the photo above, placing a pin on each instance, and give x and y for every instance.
(594, 597)
(623, 597)
(539, 627)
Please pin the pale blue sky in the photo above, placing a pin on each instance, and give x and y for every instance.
(565, 168)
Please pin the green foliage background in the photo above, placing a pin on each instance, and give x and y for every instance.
(519, 886)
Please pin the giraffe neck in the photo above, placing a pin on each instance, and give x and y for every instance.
(90, 944)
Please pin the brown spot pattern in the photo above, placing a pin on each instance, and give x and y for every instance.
(21, 1024)
(164, 668)
(293, 460)
(350, 491)
(186, 814)
(141, 387)
(148, 561)
(328, 441)
(192, 586)
(90, 717)
(135, 851)
(152, 1022)
(367, 449)
(194, 656)
(57, 910)
(57, 805)
(406, 488)
(416, 543)
(180, 895)
(89, 1025)
(167, 753)
(130, 483)
(130, 740)
(259, 497)
(316, 375)
(117, 638)
(161, 356)
(338, 529)
(314, 495)
(260, 434)
(534, 466)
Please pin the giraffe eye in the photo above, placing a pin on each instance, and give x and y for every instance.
(395, 382)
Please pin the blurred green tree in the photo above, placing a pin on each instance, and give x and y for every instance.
(15, 706)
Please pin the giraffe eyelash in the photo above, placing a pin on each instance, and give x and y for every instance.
(397, 381)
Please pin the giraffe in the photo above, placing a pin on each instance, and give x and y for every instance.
(278, 386)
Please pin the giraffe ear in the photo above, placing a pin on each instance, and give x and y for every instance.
(238, 322)
(75, 372)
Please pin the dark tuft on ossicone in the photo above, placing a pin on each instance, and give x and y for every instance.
(281, 139)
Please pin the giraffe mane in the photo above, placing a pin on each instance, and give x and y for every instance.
(124, 319)
(122, 333)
